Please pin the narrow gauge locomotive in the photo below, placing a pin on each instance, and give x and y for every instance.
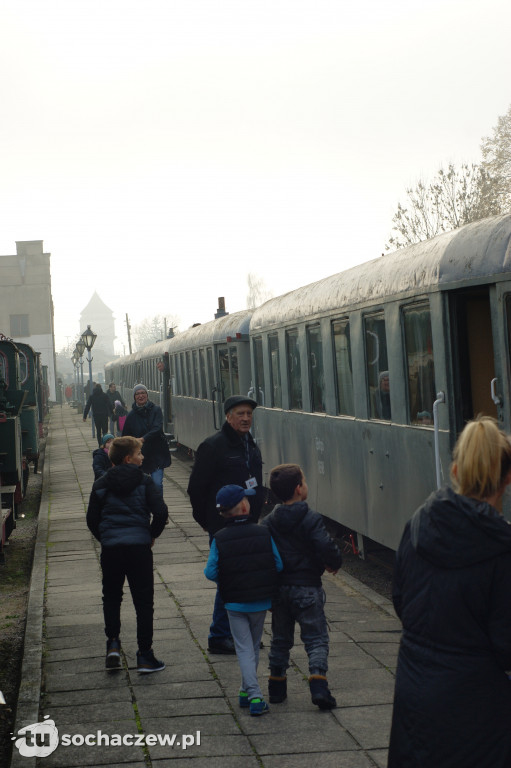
(364, 378)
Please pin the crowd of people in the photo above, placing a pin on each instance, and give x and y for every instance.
(452, 703)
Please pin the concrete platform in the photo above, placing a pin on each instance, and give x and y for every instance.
(191, 707)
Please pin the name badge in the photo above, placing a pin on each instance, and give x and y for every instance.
(251, 483)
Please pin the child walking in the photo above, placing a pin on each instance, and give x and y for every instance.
(244, 561)
(307, 551)
(121, 505)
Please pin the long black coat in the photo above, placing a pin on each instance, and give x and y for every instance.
(147, 422)
(99, 403)
(222, 460)
(452, 591)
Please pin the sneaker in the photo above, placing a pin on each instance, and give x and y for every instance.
(146, 662)
(113, 653)
(258, 707)
(243, 700)
(221, 645)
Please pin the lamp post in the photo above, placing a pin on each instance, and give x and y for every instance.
(75, 373)
(88, 338)
(80, 349)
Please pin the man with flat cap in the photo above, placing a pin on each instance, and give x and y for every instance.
(229, 457)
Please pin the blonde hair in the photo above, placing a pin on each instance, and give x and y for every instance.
(481, 459)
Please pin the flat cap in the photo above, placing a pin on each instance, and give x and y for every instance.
(235, 400)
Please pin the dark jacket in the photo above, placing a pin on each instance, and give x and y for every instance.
(100, 462)
(246, 564)
(452, 704)
(222, 460)
(303, 543)
(121, 504)
(147, 422)
(100, 404)
(113, 396)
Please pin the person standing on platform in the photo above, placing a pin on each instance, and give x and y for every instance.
(307, 551)
(126, 513)
(113, 395)
(244, 562)
(452, 701)
(145, 421)
(229, 457)
(101, 411)
(100, 460)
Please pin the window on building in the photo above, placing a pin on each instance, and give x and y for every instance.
(377, 367)
(316, 372)
(343, 371)
(420, 364)
(294, 370)
(19, 325)
(276, 389)
(259, 371)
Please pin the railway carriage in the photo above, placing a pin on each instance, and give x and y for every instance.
(365, 378)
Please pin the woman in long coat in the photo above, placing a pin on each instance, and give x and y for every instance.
(452, 591)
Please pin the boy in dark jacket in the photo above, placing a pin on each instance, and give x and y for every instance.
(119, 515)
(100, 459)
(307, 551)
(244, 561)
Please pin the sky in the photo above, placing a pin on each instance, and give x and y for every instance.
(164, 150)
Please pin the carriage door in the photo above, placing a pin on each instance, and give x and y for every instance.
(476, 366)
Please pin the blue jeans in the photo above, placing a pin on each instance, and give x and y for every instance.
(247, 630)
(157, 476)
(304, 605)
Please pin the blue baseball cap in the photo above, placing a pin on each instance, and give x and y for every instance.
(230, 496)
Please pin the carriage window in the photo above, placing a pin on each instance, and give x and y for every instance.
(316, 374)
(377, 368)
(202, 361)
(294, 371)
(195, 357)
(189, 375)
(4, 368)
(23, 367)
(276, 389)
(343, 371)
(420, 364)
(235, 376)
(225, 379)
(211, 375)
(259, 371)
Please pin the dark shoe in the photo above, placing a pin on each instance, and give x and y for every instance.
(320, 694)
(277, 689)
(258, 707)
(113, 653)
(146, 662)
(221, 645)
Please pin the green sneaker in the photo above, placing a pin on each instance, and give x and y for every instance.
(243, 700)
(258, 707)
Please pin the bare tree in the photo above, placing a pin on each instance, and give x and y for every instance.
(258, 291)
(153, 329)
(455, 196)
(496, 150)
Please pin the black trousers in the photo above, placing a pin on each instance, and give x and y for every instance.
(101, 424)
(134, 562)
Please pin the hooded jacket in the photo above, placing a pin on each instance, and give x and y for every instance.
(147, 422)
(303, 543)
(99, 403)
(100, 462)
(120, 507)
(452, 704)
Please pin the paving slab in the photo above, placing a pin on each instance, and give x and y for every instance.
(194, 701)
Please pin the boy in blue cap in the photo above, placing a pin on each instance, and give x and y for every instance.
(244, 561)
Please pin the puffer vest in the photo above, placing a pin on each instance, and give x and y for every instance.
(246, 564)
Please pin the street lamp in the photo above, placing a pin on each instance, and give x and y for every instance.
(80, 349)
(75, 372)
(88, 338)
